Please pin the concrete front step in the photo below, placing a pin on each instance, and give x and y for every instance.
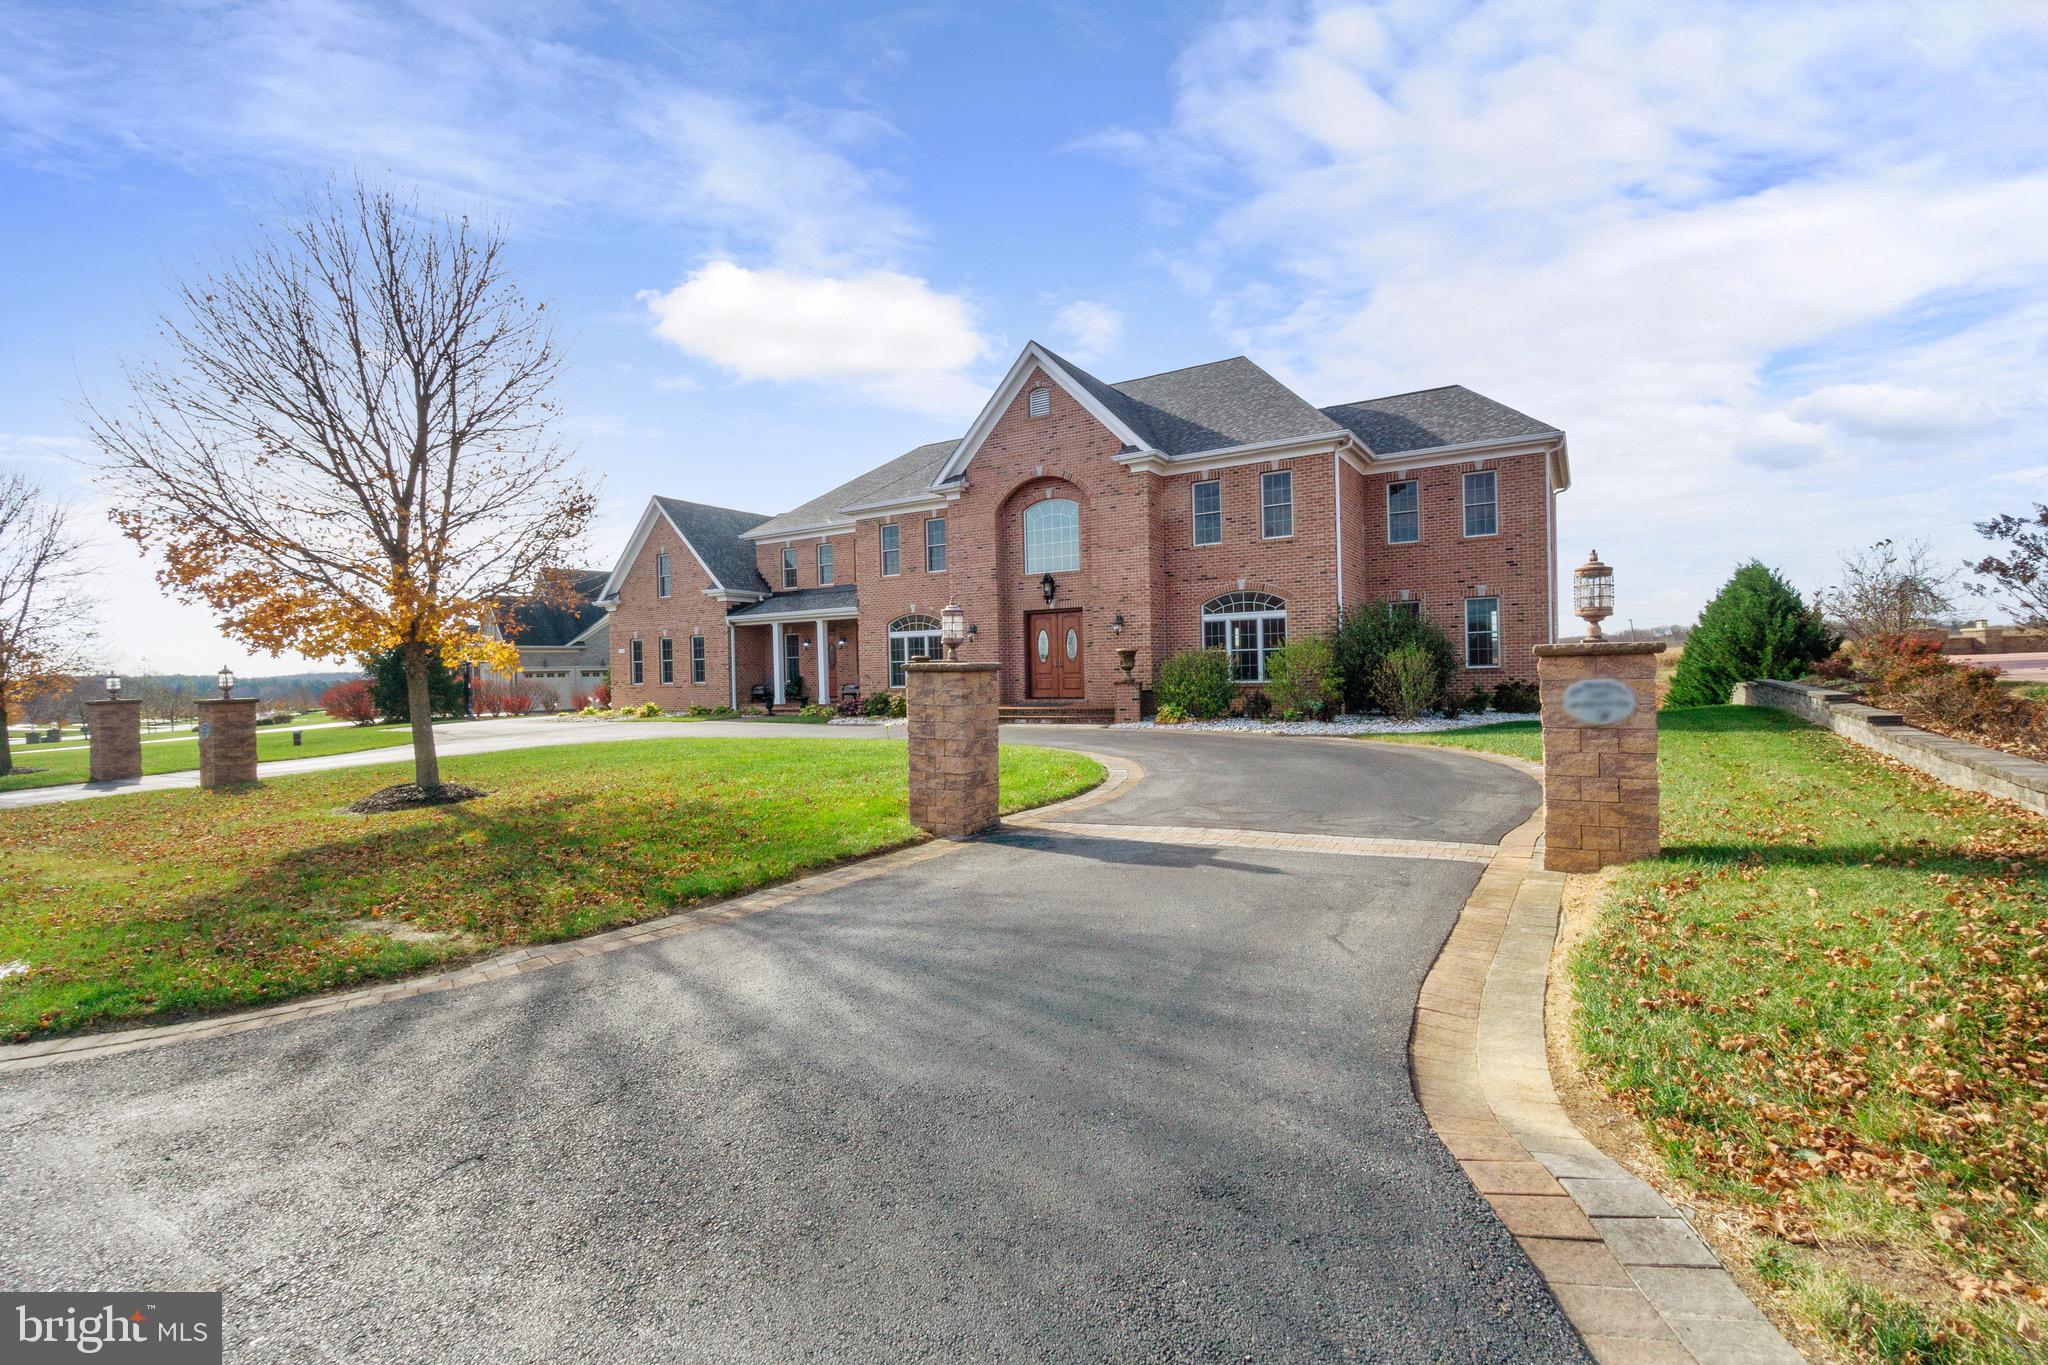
(1054, 713)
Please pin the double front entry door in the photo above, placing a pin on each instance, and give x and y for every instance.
(1052, 645)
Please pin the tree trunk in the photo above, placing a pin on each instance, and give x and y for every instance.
(6, 754)
(426, 764)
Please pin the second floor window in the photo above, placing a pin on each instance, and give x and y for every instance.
(1209, 512)
(935, 545)
(892, 551)
(789, 566)
(1276, 505)
(696, 658)
(1052, 536)
(668, 659)
(1482, 513)
(639, 671)
(824, 563)
(1404, 513)
(661, 575)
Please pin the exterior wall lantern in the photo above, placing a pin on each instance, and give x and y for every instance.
(1049, 587)
(225, 680)
(1116, 625)
(1593, 594)
(113, 687)
(952, 629)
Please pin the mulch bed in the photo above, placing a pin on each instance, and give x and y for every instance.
(411, 796)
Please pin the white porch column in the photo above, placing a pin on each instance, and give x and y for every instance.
(775, 634)
(732, 664)
(824, 666)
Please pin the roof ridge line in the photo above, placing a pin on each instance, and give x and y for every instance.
(1409, 393)
(1198, 365)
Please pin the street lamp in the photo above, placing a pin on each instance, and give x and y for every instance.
(113, 687)
(952, 629)
(225, 680)
(1593, 594)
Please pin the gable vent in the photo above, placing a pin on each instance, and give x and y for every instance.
(1041, 402)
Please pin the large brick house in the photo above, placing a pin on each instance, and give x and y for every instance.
(1210, 505)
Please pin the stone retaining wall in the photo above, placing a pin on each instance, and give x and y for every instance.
(1955, 761)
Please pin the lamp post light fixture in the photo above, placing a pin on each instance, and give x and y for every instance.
(952, 629)
(113, 687)
(1116, 624)
(225, 680)
(1049, 587)
(1593, 594)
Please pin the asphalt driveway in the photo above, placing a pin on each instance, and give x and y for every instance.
(1047, 1097)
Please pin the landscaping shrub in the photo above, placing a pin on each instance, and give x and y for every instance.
(1302, 679)
(1756, 627)
(648, 711)
(877, 705)
(583, 701)
(518, 699)
(852, 705)
(1366, 635)
(1518, 696)
(1406, 683)
(1169, 714)
(275, 718)
(1255, 705)
(487, 697)
(350, 701)
(1197, 684)
(386, 669)
(818, 710)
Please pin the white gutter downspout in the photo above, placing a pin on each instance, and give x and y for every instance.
(732, 663)
(1550, 519)
(1337, 492)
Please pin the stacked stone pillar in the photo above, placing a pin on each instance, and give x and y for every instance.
(227, 741)
(116, 752)
(1599, 765)
(952, 710)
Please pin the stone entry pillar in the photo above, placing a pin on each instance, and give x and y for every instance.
(227, 741)
(1599, 752)
(952, 746)
(116, 753)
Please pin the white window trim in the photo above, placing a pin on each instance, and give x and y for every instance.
(1288, 474)
(1038, 403)
(1195, 514)
(791, 569)
(945, 545)
(700, 671)
(1465, 508)
(826, 554)
(1261, 617)
(661, 574)
(636, 663)
(892, 635)
(1416, 484)
(665, 662)
(1024, 531)
(1498, 634)
(886, 531)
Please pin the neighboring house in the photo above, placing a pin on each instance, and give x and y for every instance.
(563, 651)
(1205, 506)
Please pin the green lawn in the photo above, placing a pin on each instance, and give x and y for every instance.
(272, 742)
(1828, 1001)
(162, 904)
(1515, 738)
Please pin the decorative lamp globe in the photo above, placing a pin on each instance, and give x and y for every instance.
(952, 628)
(1593, 594)
(113, 685)
(225, 679)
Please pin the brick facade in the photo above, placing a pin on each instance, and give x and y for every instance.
(1142, 581)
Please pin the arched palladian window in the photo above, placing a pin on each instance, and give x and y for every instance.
(1247, 625)
(911, 637)
(1052, 536)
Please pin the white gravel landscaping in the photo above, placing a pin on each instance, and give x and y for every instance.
(859, 720)
(1343, 725)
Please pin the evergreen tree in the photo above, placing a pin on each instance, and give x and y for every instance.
(386, 670)
(1756, 627)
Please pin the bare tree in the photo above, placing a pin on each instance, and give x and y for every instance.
(45, 615)
(1888, 590)
(2020, 574)
(349, 446)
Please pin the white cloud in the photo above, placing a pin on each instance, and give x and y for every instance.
(887, 335)
(1747, 258)
(1087, 330)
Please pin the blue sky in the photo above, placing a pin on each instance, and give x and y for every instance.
(1780, 271)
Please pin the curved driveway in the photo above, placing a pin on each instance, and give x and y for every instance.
(1048, 1097)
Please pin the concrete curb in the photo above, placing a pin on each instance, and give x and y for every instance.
(1633, 1277)
(1119, 776)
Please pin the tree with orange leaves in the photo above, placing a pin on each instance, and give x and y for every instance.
(45, 624)
(349, 445)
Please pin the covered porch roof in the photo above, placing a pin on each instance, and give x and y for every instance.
(836, 603)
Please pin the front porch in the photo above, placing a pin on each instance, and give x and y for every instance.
(790, 656)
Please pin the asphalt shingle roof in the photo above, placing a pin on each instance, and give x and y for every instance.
(905, 476)
(534, 622)
(714, 533)
(1449, 416)
(839, 597)
(1206, 407)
